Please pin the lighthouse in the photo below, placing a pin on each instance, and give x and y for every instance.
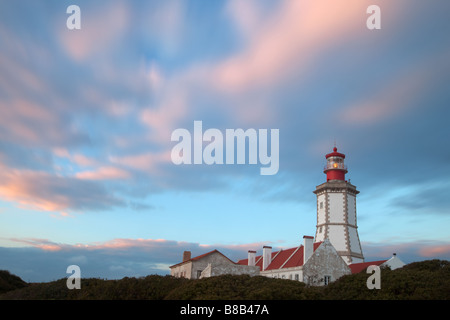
(336, 210)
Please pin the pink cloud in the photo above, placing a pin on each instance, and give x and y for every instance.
(438, 250)
(394, 98)
(103, 173)
(416, 249)
(77, 158)
(148, 162)
(278, 45)
(22, 120)
(40, 190)
(289, 38)
(161, 121)
(170, 247)
(123, 243)
(20, 187)
(114, 244)
(43, 244)
(390, 101)
(247, 16)
(99, 30)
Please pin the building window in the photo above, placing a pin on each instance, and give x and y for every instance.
(326, 280)
(321, 204)
(199, 273)
(296, 277)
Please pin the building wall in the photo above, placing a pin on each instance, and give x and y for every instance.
(336, 234)
(295, 273)
(215, 259)
(182, 271)
(228, 268)
(321, 208)
(394, 263)
(355, 245)
(336, 205)
(324, 262)
(351, 207)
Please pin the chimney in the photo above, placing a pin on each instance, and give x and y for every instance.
(251, 257)
(267, 256)
(186, 256)
(307, 247)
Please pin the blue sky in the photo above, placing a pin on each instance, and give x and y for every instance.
(86, 119)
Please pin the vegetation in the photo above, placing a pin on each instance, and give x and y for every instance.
(10, 282)
(426, 280)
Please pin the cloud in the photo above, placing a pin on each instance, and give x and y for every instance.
(103, 173)
(31, 123)
(288, 40)
(396, 97)
(40, 190)
(428, 197)
(162, 118)
(148, 162)
(101, 27)
(43, 244)
(407, 251)
(434, 251)
(247, 16)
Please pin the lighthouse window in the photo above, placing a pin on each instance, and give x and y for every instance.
(321, 204)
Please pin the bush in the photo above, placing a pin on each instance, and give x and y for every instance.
(10, 282)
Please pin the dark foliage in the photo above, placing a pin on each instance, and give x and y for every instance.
(241, 287)
(10, 282)
(426, 280)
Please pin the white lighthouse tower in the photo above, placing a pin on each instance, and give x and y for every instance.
(336, 210)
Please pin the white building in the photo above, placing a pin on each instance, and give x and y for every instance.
(210, 264)
(312, 263)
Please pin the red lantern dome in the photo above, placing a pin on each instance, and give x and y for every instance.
(335, 168)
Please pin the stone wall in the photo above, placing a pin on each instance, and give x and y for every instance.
(235, 269)
(324, 262)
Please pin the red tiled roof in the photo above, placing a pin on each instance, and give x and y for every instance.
(281, 257)
(296, 260)
(358, 267)
(287, 258)
(259, 260)
(316, 245)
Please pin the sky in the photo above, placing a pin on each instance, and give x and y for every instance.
(86, 117)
